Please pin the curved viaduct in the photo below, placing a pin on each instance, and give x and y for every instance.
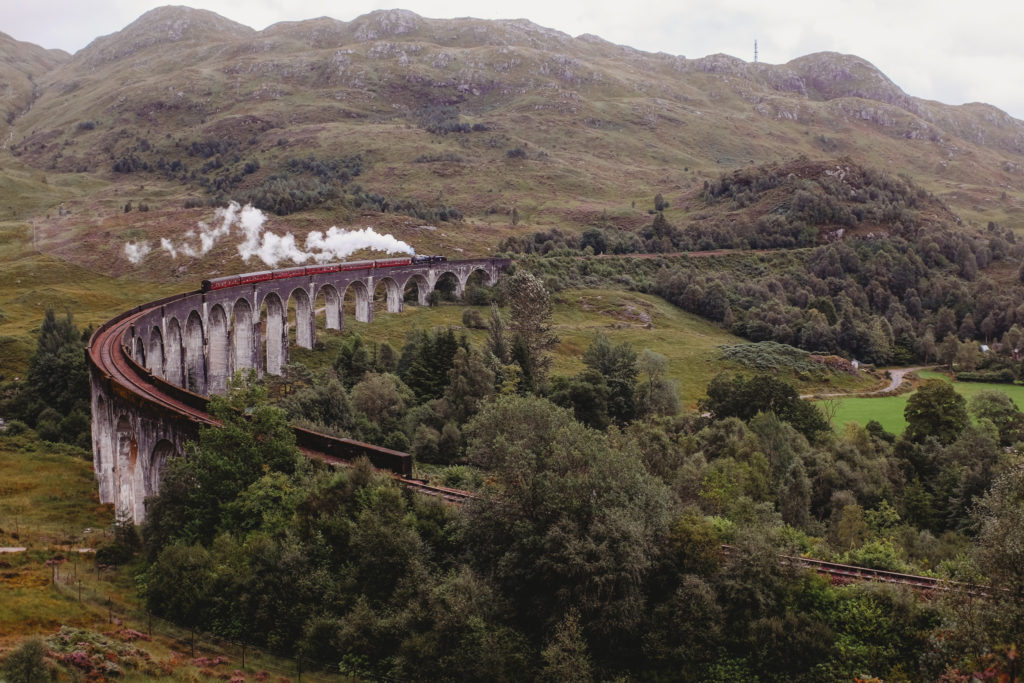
(152, 367)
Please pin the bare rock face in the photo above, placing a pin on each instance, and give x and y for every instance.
(162, 26)
(783, 79)
(316, 34)
(385, 24)
(721, 64)
(830, 76)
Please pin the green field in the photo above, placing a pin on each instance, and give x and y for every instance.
(888, 410)
(48, 500)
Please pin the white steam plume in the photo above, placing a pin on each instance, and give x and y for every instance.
(136, 252)
(273, 249)
(168, 246)
(338, 243)
(208, 236)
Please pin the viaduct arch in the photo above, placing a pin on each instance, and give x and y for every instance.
(152, 367)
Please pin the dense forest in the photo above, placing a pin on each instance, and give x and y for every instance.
(54, 396)
(859, 263)
(610, 533)
(593, 550)
(594, 546)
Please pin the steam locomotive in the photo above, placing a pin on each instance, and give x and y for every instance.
(299, 271)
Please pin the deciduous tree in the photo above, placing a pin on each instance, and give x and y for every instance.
(617, 364)
(935, 409)
(530, 307)
(570, 522)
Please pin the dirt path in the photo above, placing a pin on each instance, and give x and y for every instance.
(896, 376)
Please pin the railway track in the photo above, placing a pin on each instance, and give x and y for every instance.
(108, 354)
(847, 573)
(111, 357)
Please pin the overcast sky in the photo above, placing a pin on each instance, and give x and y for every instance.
(947, 50)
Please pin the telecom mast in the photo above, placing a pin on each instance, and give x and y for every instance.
(755, 51)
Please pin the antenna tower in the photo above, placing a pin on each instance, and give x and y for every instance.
(755, 51)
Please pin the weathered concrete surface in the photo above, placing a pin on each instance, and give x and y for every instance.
(132, 441)
(199, 340)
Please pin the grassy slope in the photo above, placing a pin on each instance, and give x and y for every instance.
(47, 500)
(48, 503)
(689, 342)
(32, 278)
(602, 128)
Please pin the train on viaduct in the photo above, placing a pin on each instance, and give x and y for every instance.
(152, 368)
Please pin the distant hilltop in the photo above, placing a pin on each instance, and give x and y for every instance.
(469, 118)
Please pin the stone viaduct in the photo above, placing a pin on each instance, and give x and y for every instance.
(152, 367)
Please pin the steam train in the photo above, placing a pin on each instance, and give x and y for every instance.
(299, 271)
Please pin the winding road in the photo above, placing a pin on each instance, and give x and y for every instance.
(896, 376)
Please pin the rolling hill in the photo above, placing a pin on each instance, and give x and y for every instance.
(481, 116)
(450, 134)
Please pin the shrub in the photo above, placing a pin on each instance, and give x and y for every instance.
(472, 319)
(479, 296)
(771, 356)
(15, 427)
(463, 477)
(27, 663)
(1003, 376)
(434, 158)
(113, 554)
(48, 425)
(441, 120)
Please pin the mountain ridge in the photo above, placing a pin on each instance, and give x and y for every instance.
(480, 115)
(817, 74)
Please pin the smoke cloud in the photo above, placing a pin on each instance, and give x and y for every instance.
(338, 243)
(269, 247)
(136, 252)
(168, 246)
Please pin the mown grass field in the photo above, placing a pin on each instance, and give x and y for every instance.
(888, 410)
